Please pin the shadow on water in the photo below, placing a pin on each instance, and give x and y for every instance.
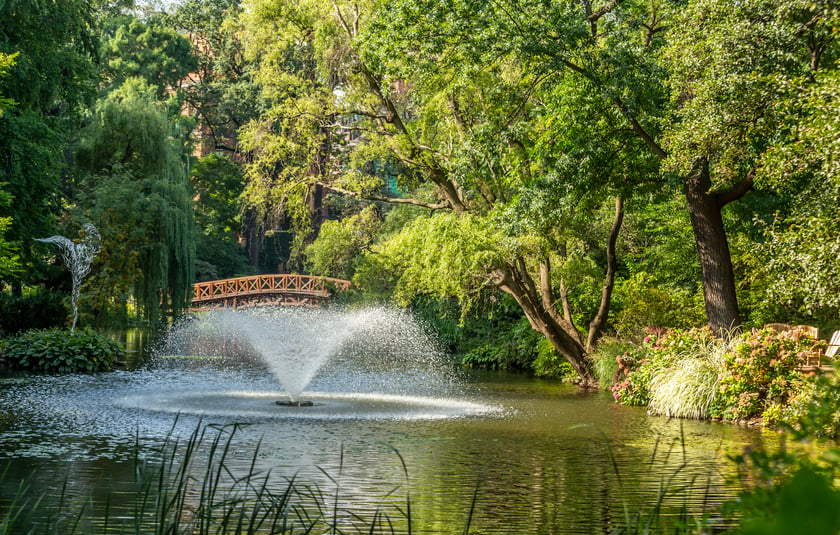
(396, 425)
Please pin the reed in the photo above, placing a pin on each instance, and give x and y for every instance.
(192, 489)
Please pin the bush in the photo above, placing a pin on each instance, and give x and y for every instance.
(41, 309)
(631, 381)
(674, 374)
(761, 373)
(640, 304)
(512, 347)
(696, 375)
(814, 408)
(59, 351)
(787, 493)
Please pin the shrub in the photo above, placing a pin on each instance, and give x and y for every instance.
(814, 408)
(511, 345)
(58, 351)
(40, 309)
(641, 303)
(604, 360)
(631, 381)
(550, 363)
(761, 371)
(696, 375)
(686, 372)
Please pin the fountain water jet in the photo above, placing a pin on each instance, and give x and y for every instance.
(375, 362)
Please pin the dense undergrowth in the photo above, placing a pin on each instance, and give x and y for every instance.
(59, 351)
(759, 376)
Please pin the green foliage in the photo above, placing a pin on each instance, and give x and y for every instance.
(813, 409)
(676, 374)
(217, 184)
(606, 359)
(440, 256)
(512, 346)
(787, 493)
(339, 244)
(7, 61)
(154, 53)
(9, 259)
(40, 309)
(761, 371)
(641, 303)
(133, 165)
(59, 351)
(686, 372)
(550, 363)
(631, 382)
(51, 83)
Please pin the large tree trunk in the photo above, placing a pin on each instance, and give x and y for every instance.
(544, 318)
(705, 207)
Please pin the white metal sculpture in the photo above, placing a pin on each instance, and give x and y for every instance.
(77, 257)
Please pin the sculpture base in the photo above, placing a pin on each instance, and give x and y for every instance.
(287, 403)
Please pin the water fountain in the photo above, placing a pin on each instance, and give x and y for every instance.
(374, 362)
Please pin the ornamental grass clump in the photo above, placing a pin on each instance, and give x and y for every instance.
(685, 384)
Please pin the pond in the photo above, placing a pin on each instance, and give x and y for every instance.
(383, 435)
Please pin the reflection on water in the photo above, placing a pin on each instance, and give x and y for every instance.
(540, 456)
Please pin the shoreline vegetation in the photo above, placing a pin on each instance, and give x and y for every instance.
(761, 377)
(187, 486)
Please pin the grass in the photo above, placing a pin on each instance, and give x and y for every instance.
(192, 489)
(687, 387)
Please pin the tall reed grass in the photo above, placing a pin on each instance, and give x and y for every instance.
(192, 488)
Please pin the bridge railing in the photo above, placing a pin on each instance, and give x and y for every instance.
(285, 284)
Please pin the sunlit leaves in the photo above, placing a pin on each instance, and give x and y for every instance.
(442, 256)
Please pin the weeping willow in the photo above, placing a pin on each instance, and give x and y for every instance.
(133, 158)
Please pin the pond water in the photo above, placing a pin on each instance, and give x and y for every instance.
(537, 456)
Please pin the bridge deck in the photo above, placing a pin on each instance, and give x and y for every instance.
(281, 289)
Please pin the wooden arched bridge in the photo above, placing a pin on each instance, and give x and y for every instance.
(265, 290)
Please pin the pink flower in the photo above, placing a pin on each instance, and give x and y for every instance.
(647, 339)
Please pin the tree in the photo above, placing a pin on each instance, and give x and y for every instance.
(51, 83)
(149, 51)
(9, 261)
(287, 148)
(132, 161)
(217, 184)
(690, 80)
(474, 126)
(340, 244)
(727, 67)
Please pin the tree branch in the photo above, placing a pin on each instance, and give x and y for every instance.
(392, 200)
(597, 325)
(722, 198)
(609, 6)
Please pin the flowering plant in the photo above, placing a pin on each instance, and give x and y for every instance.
(762, 372)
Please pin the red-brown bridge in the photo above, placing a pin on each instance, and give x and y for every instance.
(265, 290)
